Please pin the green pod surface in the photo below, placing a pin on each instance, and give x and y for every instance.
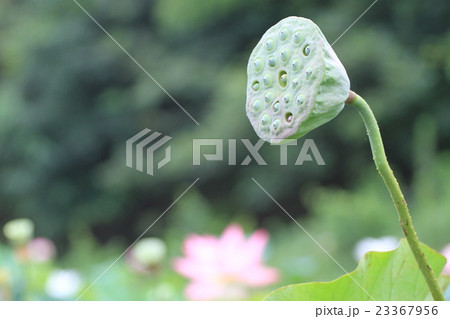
(295, 81)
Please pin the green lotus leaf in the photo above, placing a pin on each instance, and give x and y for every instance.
(295, 81)
(391, 275)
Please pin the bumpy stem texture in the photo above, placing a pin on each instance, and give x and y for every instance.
(386, 173)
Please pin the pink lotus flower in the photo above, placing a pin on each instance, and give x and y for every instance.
(446, 254)
(225, 267)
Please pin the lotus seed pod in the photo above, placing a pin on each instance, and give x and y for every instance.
(304, 83)
(19, 231)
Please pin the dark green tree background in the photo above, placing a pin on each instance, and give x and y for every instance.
(70, 98)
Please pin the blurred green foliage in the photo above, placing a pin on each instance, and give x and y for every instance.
(70, 98)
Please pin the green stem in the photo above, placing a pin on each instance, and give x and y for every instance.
(386, 173)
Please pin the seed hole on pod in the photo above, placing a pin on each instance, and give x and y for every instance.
(276, 124)
(268, 97)
(270, 45)
(265, 119)
(276, 107)
(282, 78)
(267, 79)
(300, 99)
(284, 55)
(297, 37)
(271, 61)
(258, 64)
(256, 106)
(284, 34)
(306, 50)
(256, 86)
(288, 117)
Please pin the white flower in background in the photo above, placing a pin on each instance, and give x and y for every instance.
(19, 231)
(63, 284)
(367, 244)
(149, 251)
(41, 249)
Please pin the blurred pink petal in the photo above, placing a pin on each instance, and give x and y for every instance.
(225, 267)
(202, 247)
(232, 236)
(260, 276)
(193, 269)
(203, 291)
(257, 243)
(446, 253)
(41, 249)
